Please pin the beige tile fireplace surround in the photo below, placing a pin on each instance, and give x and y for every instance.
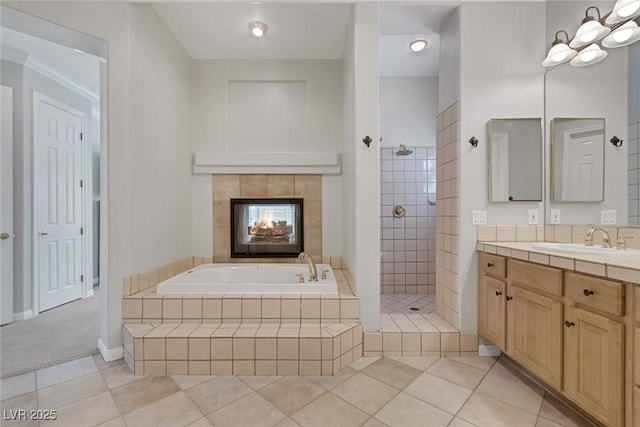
(227, 187)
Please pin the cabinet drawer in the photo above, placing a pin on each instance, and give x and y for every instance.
(493, 264)
(597, 293)
(538, 277)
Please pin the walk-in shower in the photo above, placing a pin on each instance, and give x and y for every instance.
(408, 219)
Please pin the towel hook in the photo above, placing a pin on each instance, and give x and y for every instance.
(473, 141)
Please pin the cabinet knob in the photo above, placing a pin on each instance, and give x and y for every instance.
(509, 298)
(489, 264)
(587, 292)
(498, 293)
(568, 324)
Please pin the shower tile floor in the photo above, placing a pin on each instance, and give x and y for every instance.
(373, 391)
(407, 303)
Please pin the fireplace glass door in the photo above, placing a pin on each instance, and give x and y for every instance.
(266, 228)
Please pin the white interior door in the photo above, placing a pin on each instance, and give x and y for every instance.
(6, 206)
(58, 135)
(583, 165)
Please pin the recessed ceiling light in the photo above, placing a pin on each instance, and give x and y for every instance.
(418, 45)
(258, 28)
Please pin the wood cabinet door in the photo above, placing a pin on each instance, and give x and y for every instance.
(594, 364)
(491, 310)
(534, 333)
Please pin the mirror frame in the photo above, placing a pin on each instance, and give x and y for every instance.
(552, 192)
(542, 158)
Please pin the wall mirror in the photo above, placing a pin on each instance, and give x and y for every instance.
(577, 160)
(609, 90)
(515, 159)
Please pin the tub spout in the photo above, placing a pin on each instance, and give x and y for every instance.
(313, 272)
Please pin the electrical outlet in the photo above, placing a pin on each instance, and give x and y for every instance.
(555, 216)
(532, 217)
(479, 218)
(608, 217)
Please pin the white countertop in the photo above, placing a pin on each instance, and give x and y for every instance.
(614, 266)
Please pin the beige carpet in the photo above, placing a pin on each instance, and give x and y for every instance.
(58, 335)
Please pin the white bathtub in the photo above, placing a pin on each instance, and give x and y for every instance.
(249, 279)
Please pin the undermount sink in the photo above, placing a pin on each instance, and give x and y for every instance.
(580, 248)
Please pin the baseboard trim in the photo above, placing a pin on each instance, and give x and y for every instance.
(23, 316)
(488, 350)
(110, 354)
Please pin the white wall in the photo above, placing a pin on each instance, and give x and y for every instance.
(323, 131)
(495, 83)
(449, 73)
(122, 117)
(408, 110)
(366, 268)
(597, 91)
(160, 151)
(634, 83)
(348, 155)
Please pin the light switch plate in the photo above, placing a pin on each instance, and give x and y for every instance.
(479, 218)
(555, 216)
(608, 217)
(532, 217)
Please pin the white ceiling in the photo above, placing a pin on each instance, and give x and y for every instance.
(80, 67)
(218, 30)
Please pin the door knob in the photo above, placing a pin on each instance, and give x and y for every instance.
(44, 233)
(5, 236)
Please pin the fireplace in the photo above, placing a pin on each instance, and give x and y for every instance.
(266, 228)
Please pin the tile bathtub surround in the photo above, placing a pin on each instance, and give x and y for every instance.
(371, 391)
(242, 348)
(447, 191)
(143, 281)
(226, 187)
(408, 244)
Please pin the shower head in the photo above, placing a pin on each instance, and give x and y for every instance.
(403, 151)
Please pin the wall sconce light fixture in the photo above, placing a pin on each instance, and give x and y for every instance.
(257, 28)
(616, 29)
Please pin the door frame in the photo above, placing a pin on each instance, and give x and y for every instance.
(86, 240)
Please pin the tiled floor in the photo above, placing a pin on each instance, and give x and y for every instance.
(403, 303)
(373, 391)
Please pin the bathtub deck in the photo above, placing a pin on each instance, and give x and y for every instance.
(242, 334)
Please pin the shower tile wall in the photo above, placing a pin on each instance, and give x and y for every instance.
(634, 173)
(408, 244)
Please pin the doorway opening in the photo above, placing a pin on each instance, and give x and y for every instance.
(55, 77)
(409, 90)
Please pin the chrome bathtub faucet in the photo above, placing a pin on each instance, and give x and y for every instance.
(313, 272)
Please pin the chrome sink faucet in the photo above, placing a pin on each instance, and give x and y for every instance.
(606, 239)
(313, 272)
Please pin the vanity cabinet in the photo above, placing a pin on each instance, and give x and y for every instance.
(566, 328)
(594, 364)
(534, 333)
(534, 319)
(594, 346)
(492, 289)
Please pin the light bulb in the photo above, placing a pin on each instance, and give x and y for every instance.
(622, 35)
(588, 56)
(418, 45)
(629, 9)
(257, 31)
